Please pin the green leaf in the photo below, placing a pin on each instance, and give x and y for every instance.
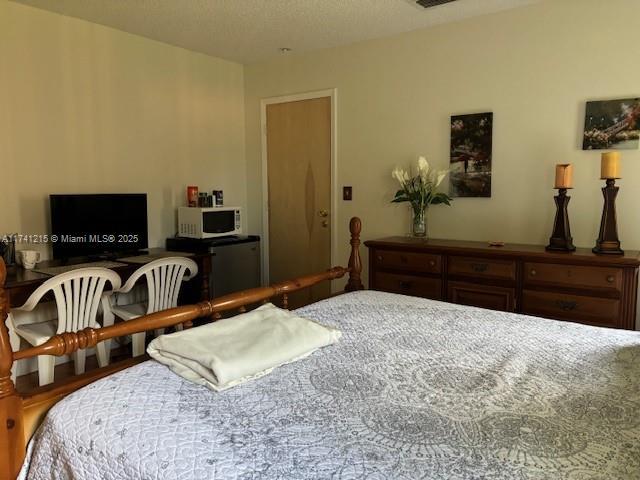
(440, 197)
(420, 192)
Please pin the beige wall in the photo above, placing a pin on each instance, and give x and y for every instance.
(534, 67)
(85, 108)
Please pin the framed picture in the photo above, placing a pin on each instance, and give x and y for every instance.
(612, 124)
(471, 148)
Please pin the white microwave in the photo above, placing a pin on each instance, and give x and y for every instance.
(211, 222)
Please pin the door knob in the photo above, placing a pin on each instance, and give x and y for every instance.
(323, 213)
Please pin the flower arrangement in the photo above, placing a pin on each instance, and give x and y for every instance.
(420, 191)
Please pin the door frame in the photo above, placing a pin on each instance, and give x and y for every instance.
(333, 94)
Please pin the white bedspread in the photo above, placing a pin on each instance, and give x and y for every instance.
(415, 390)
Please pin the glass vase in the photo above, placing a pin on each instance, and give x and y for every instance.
(419, 225)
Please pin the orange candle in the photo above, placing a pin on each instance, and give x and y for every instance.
(564, 175)
(610, 165)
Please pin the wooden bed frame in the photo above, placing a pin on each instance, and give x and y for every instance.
(22, 413)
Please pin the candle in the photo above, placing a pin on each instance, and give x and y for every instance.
(564, 175)
(610, 166)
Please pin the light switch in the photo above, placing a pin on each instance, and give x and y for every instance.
(347, 193)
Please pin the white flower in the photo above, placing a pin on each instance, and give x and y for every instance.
(419, 189)
(423, 166)
(399, 175)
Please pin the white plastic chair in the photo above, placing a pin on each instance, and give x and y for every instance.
(164, 280)
(78, 295)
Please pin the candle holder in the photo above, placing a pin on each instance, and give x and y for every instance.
(608, 242)
(561, 240)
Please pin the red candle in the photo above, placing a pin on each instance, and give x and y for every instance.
(192, 196)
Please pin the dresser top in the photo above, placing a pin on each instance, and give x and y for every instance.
(465, 247)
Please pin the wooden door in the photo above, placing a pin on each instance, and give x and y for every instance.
(299, 177)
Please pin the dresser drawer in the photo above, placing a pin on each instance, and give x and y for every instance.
(573, 276)
(577, 308)
(482, 268)
(493, 298)
(408, 285)
(417, 262)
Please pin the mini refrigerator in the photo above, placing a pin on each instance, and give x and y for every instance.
(235, 261)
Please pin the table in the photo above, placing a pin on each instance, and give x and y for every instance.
(20, 283)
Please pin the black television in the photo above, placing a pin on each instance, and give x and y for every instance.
(98, 225)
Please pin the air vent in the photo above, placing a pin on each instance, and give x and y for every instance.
(432, 3)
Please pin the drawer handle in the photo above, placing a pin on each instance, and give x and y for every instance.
(566, 305)
(479, 267)
(432, 263)
(533, 272)
(404, 259)
(379, 258)
(611, 279)
(405, 285)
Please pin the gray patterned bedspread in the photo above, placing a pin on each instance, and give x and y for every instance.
(415, 390)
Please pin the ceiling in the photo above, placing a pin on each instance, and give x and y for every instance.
(249, 31)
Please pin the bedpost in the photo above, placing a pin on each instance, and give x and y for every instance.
(355, 264)
(12, 448)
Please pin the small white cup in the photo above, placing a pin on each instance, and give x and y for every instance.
(29, 258)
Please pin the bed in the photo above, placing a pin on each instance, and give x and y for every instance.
(416, 389)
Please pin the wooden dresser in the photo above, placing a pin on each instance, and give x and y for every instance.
(580, 286)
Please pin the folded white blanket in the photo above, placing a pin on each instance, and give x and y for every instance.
(231, 351)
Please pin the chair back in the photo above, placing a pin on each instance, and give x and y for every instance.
(78, 294)
(164, 280)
